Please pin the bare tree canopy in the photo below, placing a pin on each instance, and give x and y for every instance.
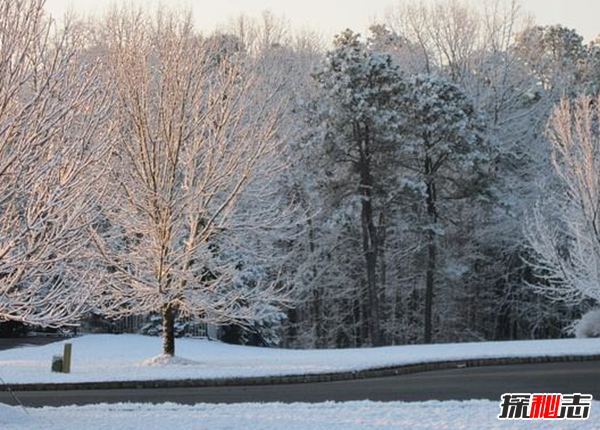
(53, 146)
(197, 141)
(564, 230)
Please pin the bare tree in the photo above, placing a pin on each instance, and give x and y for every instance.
(51, 150)
(198, 147)
(564, 231)
(442, 35)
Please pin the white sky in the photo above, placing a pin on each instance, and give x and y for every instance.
(331, 16)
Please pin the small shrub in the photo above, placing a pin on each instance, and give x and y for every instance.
(589, 324)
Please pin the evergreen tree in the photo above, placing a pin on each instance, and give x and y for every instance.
(357, 124)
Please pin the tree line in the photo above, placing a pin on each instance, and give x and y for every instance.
(434, 180)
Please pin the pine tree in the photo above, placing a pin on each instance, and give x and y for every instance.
(446, 151)
(356, 124)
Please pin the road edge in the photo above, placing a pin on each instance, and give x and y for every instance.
(377, 372)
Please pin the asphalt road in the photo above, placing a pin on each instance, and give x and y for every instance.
(457, 384)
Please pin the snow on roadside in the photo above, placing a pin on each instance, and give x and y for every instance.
(11, 416)
(469, 415)
(129, 357)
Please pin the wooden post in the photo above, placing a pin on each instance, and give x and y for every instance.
(67, 358)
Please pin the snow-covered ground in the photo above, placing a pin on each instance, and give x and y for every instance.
(470, 415)
(129, 357)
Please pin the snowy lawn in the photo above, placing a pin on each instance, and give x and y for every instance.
(470, 415)
(130, 357)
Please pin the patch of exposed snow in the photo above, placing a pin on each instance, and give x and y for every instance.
(118, 358)
(168, 360)
(364, 415)
(10, 415)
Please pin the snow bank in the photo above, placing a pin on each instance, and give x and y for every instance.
(125, 357)
(471, 415)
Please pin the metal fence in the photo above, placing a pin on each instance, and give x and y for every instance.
(134, 323)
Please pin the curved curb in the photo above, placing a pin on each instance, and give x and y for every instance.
(298, 379)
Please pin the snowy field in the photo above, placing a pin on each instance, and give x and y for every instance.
(471, 415)
(133, 357)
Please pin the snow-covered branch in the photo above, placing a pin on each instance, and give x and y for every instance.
(52, 151)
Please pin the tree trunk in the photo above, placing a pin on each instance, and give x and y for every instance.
(316, 292)
(292, 329)
(370, 247)
(430, 282)
(383, 298)
(431, 252)
(168, 329)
